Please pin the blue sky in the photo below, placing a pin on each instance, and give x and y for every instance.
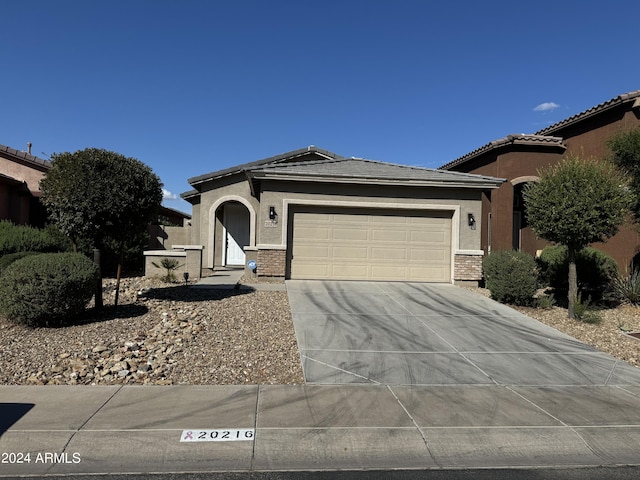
(193, 86)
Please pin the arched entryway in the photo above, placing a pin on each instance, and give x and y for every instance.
(235, 234)
(523, 237)
(232, 228)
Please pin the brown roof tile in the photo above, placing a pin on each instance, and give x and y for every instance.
(514, 139)
(614, 102)
(25, 157)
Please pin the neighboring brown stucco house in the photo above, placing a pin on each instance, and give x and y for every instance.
(518, 158)
(313, 214)
(20, 175)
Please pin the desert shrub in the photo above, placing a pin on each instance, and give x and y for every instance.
(584, 312)
(545, 302)
(595, 269)
(9, 258)
(49, 289)
(510, 276)
(20, 238)
(627, 288)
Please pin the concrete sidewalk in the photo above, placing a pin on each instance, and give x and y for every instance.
(228, 279)
(127, 429)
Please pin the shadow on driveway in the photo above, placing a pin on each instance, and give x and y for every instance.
(10, 413)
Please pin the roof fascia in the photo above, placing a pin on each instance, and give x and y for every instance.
(481, 183)
(26, 158)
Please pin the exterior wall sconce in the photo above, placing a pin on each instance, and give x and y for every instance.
(272, 213)
(472, 221)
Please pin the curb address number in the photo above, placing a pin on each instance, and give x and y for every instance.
(226, 435)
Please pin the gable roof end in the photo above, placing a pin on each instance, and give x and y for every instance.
(284, 157)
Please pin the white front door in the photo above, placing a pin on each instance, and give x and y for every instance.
(236, 233)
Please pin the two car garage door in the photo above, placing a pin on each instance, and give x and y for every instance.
(352, 244)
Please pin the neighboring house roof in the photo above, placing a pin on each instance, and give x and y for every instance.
(514, 139)
(360, 170)
(609, 104)
(545, 136)
(172, 211)
(26, 157)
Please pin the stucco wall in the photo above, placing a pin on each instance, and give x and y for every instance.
(232, 188)
(31, 174)
(586, 138)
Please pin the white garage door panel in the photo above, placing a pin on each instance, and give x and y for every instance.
(389, 253)
(349, 234)
(320, 253)
(372, 245)
(379, 235)
(350, 253)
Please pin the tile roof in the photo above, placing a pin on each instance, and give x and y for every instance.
(283, 157)
(545, 136)
(513, 139)
(354, 170)
(614, 102)
(26, 157)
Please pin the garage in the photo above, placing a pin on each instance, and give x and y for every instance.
(371, 244)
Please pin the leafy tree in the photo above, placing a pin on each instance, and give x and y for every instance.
(625, 153)
(98, 197)
(577, 202)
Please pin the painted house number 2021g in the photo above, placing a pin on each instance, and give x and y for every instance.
(222, 435)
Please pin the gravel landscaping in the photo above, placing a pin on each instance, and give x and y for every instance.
(608, 336)
(170, 334)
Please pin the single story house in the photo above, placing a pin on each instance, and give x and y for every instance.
(519, 157)
(313, 214)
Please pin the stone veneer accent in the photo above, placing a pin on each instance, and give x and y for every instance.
(271, 263)
(467, 267)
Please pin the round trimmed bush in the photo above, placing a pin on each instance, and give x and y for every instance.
(48, 289)
(511, 276)
(596, 271)
(8, 259)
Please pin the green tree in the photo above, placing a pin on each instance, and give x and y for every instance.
(577, 202)
(98, 197)
(625, 153)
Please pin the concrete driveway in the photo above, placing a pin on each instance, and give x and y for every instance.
(435, 334)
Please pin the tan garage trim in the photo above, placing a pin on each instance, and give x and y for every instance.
(370, 244)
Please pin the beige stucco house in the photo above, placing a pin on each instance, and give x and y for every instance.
(312, 214)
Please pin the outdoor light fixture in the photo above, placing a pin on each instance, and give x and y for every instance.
(472, 221)
(272, 213)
